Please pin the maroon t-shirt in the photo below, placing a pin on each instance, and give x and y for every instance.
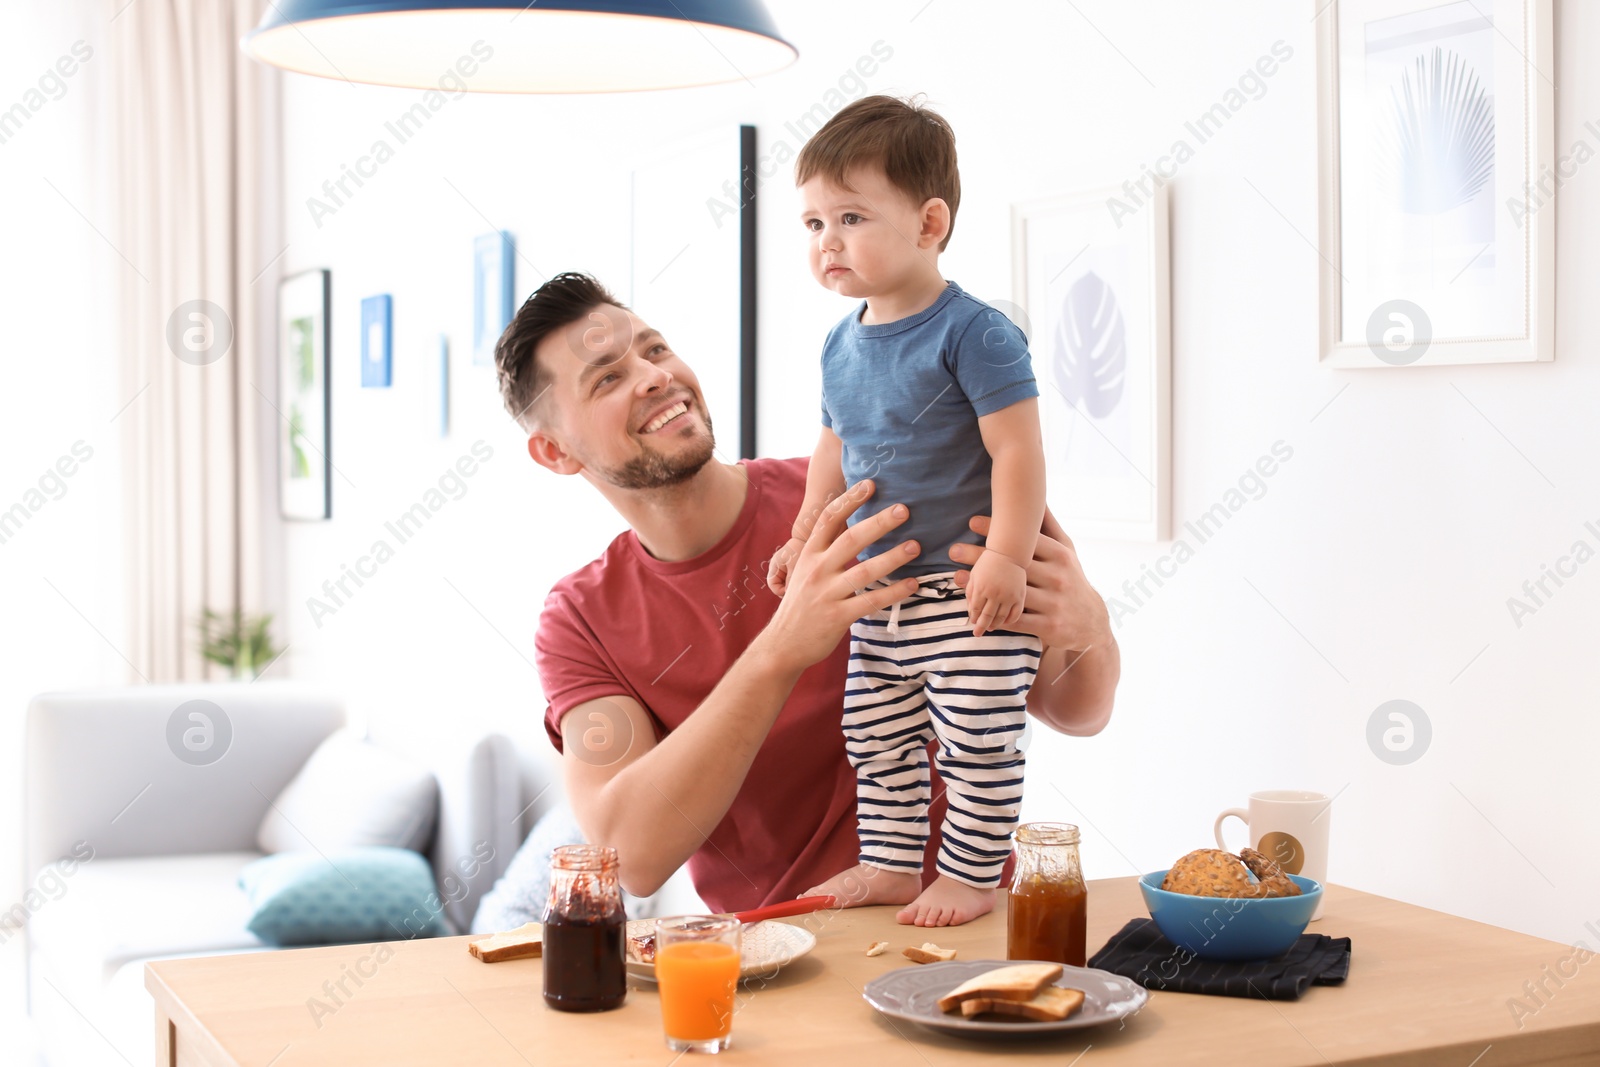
(665, 634)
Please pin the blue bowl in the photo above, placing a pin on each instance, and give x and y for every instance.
(1225, 928)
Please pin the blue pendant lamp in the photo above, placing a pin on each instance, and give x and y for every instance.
(548, 46)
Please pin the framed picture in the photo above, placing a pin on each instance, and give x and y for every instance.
(444, 386)
(1092, 285)
(693, 271)
(377, 357)
(305, 488)
(493, 278)
(1436, 123)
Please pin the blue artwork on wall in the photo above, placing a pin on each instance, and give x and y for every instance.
(377, 355)
(493, 276)
(444, 386)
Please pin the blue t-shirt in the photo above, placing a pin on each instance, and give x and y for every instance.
(904, 397)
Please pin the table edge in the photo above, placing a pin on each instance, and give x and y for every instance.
(178, 1014)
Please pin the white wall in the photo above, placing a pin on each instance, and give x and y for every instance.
(61, 572)
(1376, 566)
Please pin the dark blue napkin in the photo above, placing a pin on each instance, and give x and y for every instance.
(1138, 951)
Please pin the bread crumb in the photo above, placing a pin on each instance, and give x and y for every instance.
(929, 953)
(877, 948)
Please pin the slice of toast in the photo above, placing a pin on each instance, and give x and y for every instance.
(525, 941)
(1051, 1004)
(1020, 981)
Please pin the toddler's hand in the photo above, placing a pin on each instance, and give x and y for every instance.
(782, 563)
(995, 592)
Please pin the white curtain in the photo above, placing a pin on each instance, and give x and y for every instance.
(192, 169)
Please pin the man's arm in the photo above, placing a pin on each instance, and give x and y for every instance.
(1074, 691)
(658, 801)
(1078, 673)
(651, 801)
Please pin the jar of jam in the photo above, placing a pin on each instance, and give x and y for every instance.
(584, 931)
(1048, 910)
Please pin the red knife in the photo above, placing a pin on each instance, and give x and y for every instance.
(783, 908)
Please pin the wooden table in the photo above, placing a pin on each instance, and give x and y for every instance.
(1424, 988)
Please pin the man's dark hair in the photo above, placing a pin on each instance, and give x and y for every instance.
(556, 304)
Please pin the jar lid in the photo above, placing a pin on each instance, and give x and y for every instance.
(583, 857)
(1047, 833)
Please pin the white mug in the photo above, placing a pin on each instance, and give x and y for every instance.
(1289, 827)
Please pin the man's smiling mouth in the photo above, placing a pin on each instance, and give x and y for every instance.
(666, 416)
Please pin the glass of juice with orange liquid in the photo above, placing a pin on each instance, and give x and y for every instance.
(697, 970)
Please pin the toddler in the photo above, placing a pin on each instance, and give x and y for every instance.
(930, 393)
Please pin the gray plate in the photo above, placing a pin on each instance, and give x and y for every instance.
(912, 994)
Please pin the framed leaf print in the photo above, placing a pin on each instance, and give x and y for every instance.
(305, 490)
(1437, 216)
(1091, 279)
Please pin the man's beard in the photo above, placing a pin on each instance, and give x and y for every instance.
(655, 471)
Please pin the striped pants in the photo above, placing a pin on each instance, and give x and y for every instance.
(917, 673)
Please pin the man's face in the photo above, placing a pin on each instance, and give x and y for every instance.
(864, 239)
(623, 404)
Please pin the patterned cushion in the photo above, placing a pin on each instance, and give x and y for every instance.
(374, 893)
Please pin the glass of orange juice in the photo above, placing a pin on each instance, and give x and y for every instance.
(697, 970)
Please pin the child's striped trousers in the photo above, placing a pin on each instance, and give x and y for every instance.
(917, 673)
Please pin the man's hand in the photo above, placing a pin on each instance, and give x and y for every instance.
(782, 563)
(995, 591)
(820, 599)
(1061, 609)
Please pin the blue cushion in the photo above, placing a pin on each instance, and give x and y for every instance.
(373, 893)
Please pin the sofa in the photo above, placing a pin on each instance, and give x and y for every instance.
(136, 828)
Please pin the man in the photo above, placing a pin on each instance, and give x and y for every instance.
(697, 713)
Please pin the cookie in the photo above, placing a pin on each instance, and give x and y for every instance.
(1271, 876)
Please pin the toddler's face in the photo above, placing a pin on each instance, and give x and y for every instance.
(866, 239)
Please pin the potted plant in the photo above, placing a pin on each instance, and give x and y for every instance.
(242, 643)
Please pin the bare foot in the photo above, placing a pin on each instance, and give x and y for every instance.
(863, 884)
(947, 902)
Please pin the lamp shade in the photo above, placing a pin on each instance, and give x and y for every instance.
(548, 46)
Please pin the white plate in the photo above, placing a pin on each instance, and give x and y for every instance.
(912, 994)
(765, 947)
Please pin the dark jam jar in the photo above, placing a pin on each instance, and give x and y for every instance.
(584, 931)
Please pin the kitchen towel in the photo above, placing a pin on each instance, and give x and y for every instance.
(1138, 951)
